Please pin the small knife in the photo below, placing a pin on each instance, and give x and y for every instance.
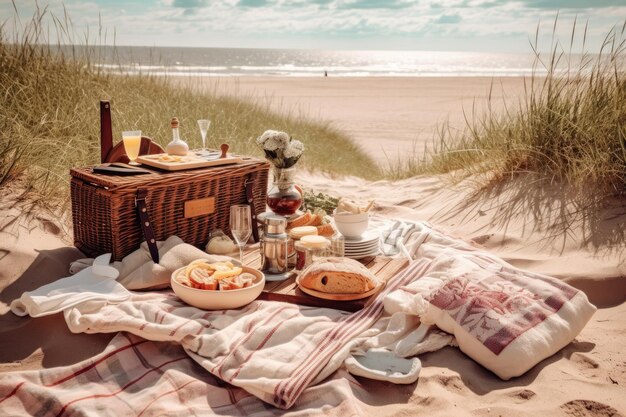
(211, 156)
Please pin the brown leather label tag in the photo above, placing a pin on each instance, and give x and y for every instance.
(200, 207)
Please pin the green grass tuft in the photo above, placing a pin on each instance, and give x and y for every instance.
(569, 126)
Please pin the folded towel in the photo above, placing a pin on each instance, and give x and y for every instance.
(137, 271)
(94, 286)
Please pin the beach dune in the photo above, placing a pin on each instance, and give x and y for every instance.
(585, 379)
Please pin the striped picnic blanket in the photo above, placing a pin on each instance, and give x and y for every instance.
(278, 351)
(137, 377)
(271, 350)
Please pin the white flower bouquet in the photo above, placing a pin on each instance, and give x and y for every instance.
(280, 149)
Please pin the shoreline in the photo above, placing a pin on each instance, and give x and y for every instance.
(390, 118)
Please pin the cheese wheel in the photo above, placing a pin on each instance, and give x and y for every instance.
(300, 232)
(314, 241)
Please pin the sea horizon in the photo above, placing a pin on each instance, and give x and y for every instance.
(258, 62)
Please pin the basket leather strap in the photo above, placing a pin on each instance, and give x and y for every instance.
(249, 183)
(146, 225)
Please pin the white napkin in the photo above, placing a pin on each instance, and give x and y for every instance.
(399, 238)
(93, 284)
(138, 272)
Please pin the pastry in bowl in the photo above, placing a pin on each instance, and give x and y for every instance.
(222, 276)
(217, 285)
(338, 276)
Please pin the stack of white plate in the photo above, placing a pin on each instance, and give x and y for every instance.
(366, 245)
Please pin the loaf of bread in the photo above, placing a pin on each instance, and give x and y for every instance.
(338, 276)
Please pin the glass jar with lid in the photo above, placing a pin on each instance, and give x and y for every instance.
(273, 248)
(295, 235)
(309, 249)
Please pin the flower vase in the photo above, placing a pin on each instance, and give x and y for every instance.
(283, 197)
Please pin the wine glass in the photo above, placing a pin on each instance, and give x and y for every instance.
(240, 226)
(204, 125)
(132, 142)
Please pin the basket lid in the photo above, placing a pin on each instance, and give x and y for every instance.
(158, 177)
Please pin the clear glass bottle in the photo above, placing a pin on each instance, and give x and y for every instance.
(283, 198)
(337, 247)
(177, 146)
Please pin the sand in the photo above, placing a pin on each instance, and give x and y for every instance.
(536, 227)
(388, 117)
(587, 378)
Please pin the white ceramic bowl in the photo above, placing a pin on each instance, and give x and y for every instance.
(219, 300)
(352, 225)
(351, 217)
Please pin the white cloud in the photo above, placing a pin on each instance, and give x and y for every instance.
(358, 24)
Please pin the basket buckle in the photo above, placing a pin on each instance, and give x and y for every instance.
(141, 196)
(141, 199)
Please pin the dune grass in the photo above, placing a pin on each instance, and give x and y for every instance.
(49, 117)
(569, 126)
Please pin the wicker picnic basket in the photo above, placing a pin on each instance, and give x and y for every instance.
(107, 210)
(105, 216)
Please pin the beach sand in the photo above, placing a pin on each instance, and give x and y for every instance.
(586, 378)
(389, 117)
(531, 226)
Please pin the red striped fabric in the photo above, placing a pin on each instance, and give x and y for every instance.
(136, 377)
(289, 389)
(272, 350)
(238, 345)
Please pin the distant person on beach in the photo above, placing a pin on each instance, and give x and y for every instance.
(325, 73)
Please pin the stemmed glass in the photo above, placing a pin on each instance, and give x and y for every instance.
(204, 125)
(240, 226)
(132, 143)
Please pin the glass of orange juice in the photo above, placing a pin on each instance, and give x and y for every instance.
(132, 140)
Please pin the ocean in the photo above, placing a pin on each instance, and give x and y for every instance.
(309, 63)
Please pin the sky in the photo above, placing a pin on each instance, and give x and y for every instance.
(447, 25)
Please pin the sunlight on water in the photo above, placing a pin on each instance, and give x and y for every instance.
(299, 63)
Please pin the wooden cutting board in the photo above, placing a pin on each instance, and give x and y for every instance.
(193, 161)
(288, 291)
